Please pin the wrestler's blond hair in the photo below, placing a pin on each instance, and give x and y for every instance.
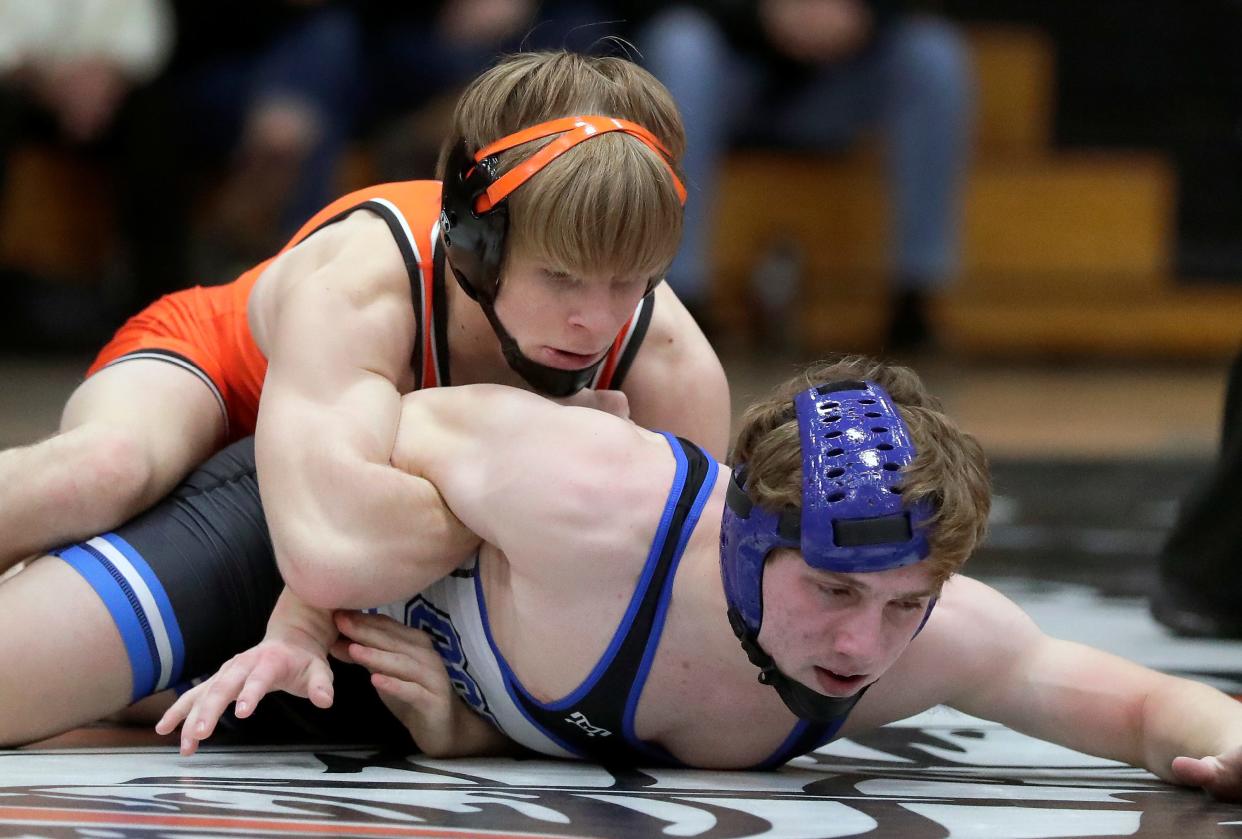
(950, 468)
(607, 204)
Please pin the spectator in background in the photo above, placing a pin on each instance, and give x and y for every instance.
(266, 94)
(418, 56)
(814, 74)
(81, 73)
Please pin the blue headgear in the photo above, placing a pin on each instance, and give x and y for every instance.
(853, 519)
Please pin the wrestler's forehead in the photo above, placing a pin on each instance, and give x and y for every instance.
(910, 580)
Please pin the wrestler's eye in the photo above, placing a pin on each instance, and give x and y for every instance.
(908, 605)
(561, 280)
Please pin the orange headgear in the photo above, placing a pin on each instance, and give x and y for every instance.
(474, 220)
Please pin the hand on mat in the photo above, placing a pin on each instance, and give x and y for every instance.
(411, 679)
(296, 667)
(1219, 775)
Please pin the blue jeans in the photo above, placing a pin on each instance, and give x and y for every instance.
(915, 85)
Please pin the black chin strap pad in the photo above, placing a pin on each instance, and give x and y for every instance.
(805, 703)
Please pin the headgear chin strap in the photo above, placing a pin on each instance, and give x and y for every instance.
(474, 219)
(805, 703)
(854, 448)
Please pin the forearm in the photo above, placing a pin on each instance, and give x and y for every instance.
(349, 529)
(382, 535)
(293, 619)
(1182, 717)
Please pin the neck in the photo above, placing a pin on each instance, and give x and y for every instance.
(474, 349)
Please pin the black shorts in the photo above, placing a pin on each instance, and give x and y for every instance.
(192, 582)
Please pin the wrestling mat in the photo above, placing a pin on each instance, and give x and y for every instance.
(1079, 560)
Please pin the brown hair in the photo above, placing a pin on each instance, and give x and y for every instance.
(950, 468)
(607, 204)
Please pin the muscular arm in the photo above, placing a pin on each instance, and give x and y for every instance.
(1084, 698)
(334, 318)
(537, 479)
(676, 383)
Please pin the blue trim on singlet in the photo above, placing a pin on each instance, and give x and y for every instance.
(784, 752)
(657, 625)
(128, 613)
(123, 605)
(160, 596)
(512, 685)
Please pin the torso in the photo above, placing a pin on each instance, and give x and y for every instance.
(381, 243)
(511, 645)
(454, 344)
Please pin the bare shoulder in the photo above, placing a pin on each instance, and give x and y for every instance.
(356, 256)
(352, 266)
(970, 642)
(676, 383)
(973, 629)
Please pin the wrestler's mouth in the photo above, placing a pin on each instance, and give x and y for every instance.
(839, 684)
(565, 360)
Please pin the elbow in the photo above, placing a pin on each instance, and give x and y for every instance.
(319, 590)
(316, 572)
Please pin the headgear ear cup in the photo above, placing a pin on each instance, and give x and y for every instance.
(474, 241)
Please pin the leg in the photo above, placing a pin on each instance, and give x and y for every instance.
(686, 51)
(129, 433)
(59, 639)
(928, 105)
(915, 84)
(928, 94)
(169, 595)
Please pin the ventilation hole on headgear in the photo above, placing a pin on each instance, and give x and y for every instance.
(895, 490)
(832, 434)
(873, 414)
(832, 406)
(866, 401)
(836, 452)
(891, 467)
(832, 418)
(452, 218)
(885, 447)
(879, 429)
(835, 472)
(836, 496)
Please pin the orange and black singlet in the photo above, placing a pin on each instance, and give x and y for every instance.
(205, 330)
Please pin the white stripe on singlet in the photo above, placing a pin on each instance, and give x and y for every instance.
(150, 609)
(169, 357)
